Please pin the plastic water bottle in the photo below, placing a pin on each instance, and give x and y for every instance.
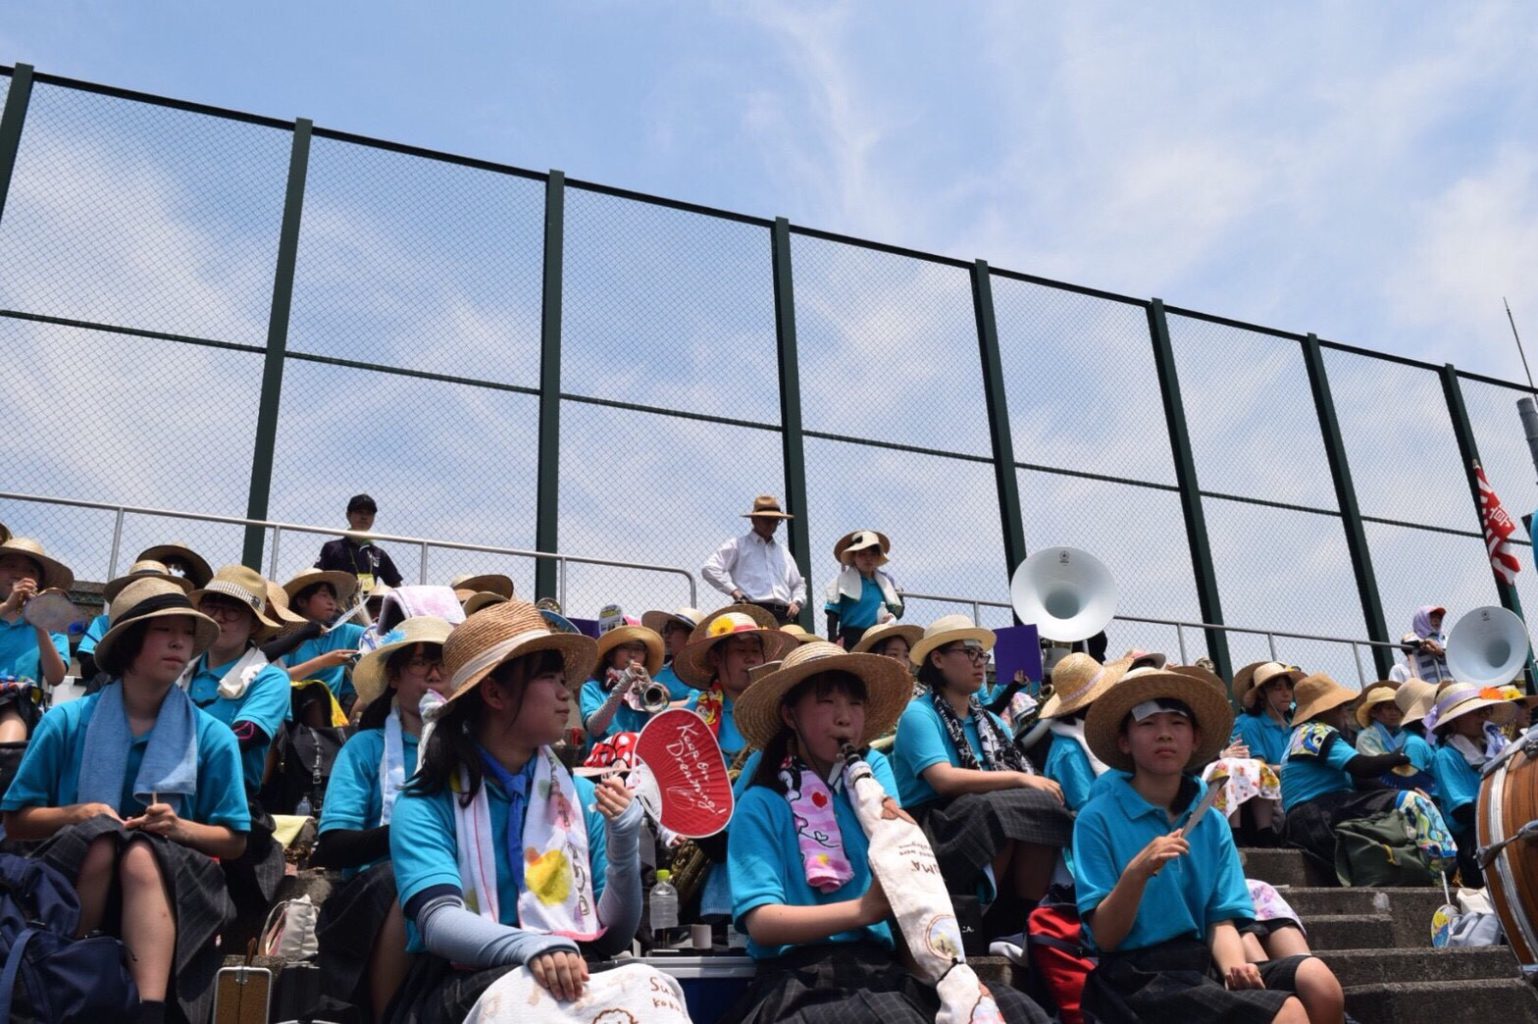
(664, 909)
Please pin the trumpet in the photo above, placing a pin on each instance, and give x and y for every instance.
(641, 691)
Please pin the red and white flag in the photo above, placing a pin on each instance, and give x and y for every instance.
(1498, 526)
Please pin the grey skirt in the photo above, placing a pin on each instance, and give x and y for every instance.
(969, 831)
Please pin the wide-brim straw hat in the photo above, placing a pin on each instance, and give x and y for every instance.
(767, 505)
(949, 629)
(147, 599)
(55, 572)
(277, 607)
(144, 568)
(1460, 699)
(506, 631)
(876, 635)
(660, 620)
(1381, 692)
(369, 677)
(482, 599)
(1249, 679)
(859, 540)
(628, 634)
(1209, 705)
(1414, 698)
(246, 587)
(344, 583)
(1316, 694)
(198, 569)
(495, 582)
(888, 689)
(801, 635)
(692, 664)
(1078, 680)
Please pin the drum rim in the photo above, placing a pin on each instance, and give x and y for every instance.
(1494, 824)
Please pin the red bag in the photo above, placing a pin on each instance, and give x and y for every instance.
(1058, 953)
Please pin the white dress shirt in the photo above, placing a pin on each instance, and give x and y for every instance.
(762, 569)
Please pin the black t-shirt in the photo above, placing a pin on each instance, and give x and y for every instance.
(345, 555)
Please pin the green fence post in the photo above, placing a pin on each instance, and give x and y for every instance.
(277, 343)
(791, 446)
(11, 123)
(1350, 513)
(1004, 478)
(547, 522)
(1464, 431)
(1190, 491)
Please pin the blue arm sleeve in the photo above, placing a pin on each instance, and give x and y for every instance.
(619, 908)
(463, 937)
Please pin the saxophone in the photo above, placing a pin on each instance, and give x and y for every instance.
(690, 862)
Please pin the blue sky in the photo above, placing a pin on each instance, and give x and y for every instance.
(1366, 174)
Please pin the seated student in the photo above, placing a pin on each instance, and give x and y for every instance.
(85, 650)
(1429, 662)
(1160, 901)
(136, 792)
(182, 561)
(1263, 690)
(1322, 771)
(609, 708)
(1378, 718)
(959, 773)
(319, 596)
(362, 931)
(801, 880)
(892, 640)
(1464, 720)
(674, 628)
(862, 594)
(1077, 682)
(27, 652)
(1414, 698)
(501, 857)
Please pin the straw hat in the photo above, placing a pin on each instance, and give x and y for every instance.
(1249, 680)
(1208, 703)
(344, 583)
(1414, 698)
(875, 635)
(507, 631)
(5, 533)
(859, 540)
(801, 635)
(495, 582)
(767, 505)
(692, 664)
(630, 633)
(198, 569)
(1077, 681)
(55, 572)
(888, 688)
(949, 629)
(1316, 694)
(277, 606)
(368, 675)
(246, 587)
(147, 599)
(144, 568)
(482, 599)
(660, 620)
(1381, 692)
(1459, 699)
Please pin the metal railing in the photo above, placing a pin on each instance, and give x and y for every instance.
(423, 544)
(1180, 626)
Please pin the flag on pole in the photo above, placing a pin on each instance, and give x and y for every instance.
(1498, 526)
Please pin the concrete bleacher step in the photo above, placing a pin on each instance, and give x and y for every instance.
(1360, 967)
(1508, 1001)
(1285, 867)
(1350, 931)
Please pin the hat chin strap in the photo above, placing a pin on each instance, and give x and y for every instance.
(493, 656)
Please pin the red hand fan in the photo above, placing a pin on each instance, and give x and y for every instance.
(684, 781)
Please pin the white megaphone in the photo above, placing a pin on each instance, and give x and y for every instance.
(1067, 594)
(1487, 647)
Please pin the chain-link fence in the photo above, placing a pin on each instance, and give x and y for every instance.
(255, 319)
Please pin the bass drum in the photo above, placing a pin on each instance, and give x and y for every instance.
(1507, 829)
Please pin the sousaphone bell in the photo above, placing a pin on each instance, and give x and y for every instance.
(1487, 646)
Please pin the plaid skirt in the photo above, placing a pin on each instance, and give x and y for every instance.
(969, 831)
(1310, 826)
(436, 992)
(199, 902)
(350, 920)
(852, 983)
(1176, 981)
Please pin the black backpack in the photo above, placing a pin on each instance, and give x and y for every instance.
(303, 758)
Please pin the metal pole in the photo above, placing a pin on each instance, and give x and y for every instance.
(792, 448)
(1361, 677)
(1180, 642)
(561, 599)
(1271, 644)
(277, 342)
(547, 532)
(1005, 481)
(277, 535)
(422, 565)
(11, 124)
(117, 543)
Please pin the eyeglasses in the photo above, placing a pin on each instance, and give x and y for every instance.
(424, 665)
(974, 651)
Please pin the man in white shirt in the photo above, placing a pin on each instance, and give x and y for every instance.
(757, 569)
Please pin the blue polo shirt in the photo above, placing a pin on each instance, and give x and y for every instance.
(1264, 735)
(93, 633)
(677, 688)
(858, 613)
(1315, 764)
(1457, 782)
(354, 797)
(765, 861)
(424, 850)
(345, 637)
(922, 741)
(18, 650)
(1422, 755)
(626, 718)
(49, 775)
(1068, 766)
(1189, 894)
(727, 736)
(266, 705)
